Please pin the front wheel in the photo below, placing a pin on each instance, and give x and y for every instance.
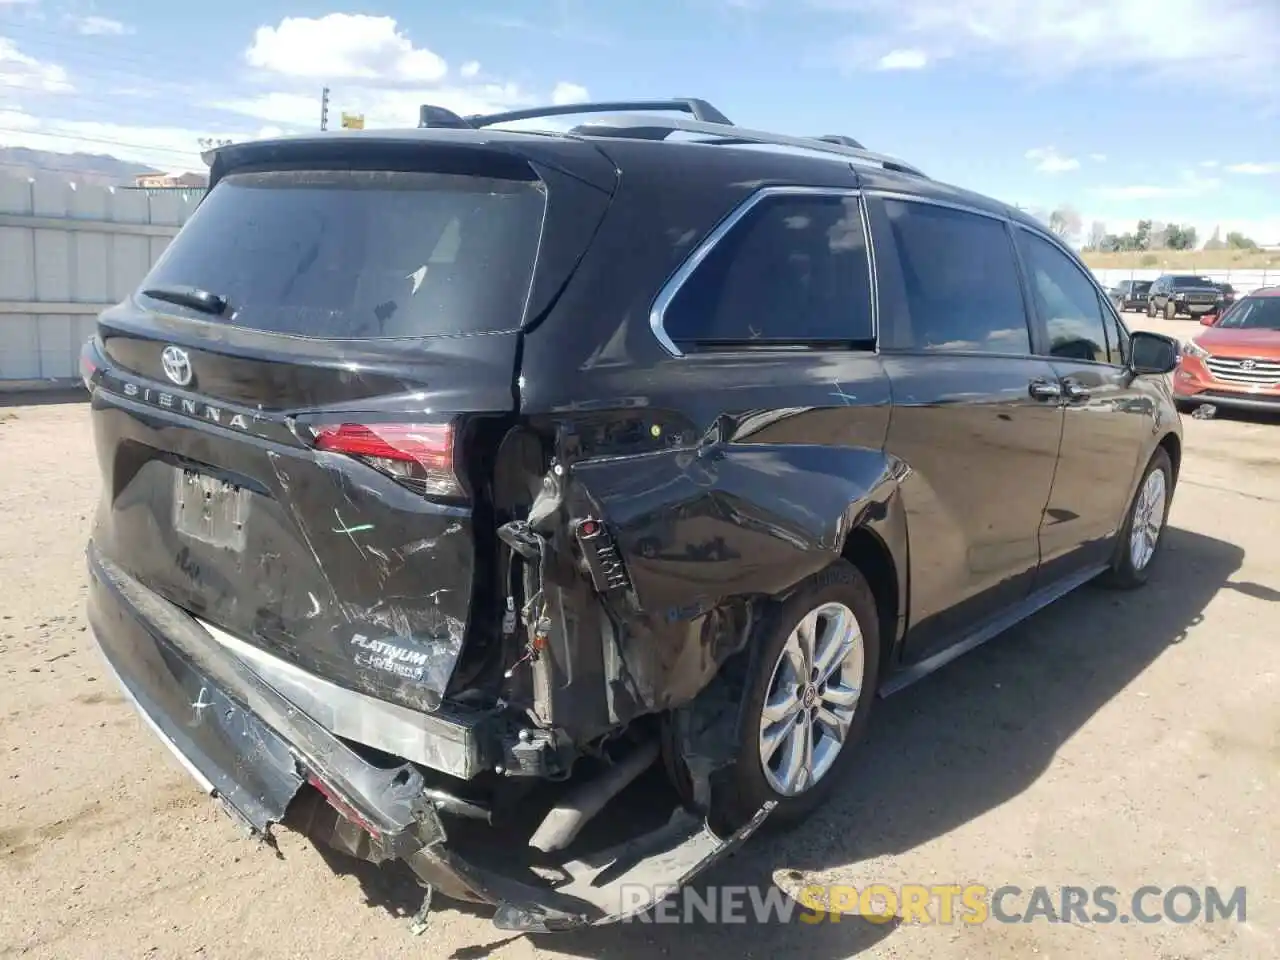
(808, 701)
(1170, 310)
(1143, 532)
(1151, 308)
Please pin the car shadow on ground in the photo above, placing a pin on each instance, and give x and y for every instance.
(46, 397)
(952, 747)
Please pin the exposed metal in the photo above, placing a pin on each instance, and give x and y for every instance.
(566, 819)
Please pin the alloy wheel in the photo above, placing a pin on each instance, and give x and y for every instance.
(812, 697)
(1148, 520)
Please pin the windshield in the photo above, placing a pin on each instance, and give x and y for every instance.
(1142, 286)
(1192, 282)
(1253, 313)
(360, 254)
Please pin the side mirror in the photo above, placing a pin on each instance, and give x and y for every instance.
(1152, 352)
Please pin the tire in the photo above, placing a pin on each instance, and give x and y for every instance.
(1125, 572)
(1170, 310)
(750, 782)
(1151, 308)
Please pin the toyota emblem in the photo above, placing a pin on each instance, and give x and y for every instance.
(1247, 364)
(177, 365)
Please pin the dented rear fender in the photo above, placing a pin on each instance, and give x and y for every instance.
(704, 535)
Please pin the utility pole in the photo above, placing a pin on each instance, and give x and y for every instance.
(324, 109)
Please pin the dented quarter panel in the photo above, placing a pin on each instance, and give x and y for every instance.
(716, 499)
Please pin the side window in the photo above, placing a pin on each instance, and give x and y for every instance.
(1066, 300)
(794, 269)
(959, 281)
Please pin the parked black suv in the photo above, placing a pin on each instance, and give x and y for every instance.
(457, 474)
(1182, 294)
(1130, 294)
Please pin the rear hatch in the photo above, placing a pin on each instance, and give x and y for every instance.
(294, 414)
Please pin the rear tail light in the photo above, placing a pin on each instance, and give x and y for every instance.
(418, 454)
(345, 810)
(88, 368)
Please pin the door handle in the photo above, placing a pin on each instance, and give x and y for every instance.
(1045, 389)
(1075, 390)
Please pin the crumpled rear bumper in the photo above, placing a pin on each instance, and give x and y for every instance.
(252, 749)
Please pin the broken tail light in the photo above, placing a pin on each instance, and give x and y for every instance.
(344, 809)
(88, 365)
(420, 455)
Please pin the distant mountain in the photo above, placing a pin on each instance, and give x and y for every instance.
(95, 168)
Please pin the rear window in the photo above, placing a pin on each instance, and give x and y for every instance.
(361, 254)
(1192, 282)
(1142, 286)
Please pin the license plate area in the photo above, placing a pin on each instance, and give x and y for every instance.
(209, 509)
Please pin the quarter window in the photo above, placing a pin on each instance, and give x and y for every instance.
(792, 270)
(1066, 300)
(1117, 340)
(958, 281)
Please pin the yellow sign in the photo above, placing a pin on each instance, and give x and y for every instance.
(353, 121)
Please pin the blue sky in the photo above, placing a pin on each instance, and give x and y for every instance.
(1121, 108)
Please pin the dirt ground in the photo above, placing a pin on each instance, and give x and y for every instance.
(1114, 740)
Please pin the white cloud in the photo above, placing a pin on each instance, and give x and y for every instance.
(1208, 163)
(1208, 41)
(343, 46)
(23, 72)
(373, 69)
(94, 26)
(905, 59)
(1189, 184)
(566, 93)
(1254, 168)
(1098, 157)
(1049, 160)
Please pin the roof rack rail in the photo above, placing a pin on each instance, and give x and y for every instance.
(659, 128)
(841, 140)
(433, 116)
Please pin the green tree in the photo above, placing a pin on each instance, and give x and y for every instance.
(1238, 241)
(1180, 237)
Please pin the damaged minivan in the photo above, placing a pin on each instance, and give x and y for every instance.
(459, 482)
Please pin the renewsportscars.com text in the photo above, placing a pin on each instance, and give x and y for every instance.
(941, 904)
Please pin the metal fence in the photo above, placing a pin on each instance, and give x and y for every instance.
(67, 251)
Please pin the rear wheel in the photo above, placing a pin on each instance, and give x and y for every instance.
(1143, 531)
(807, 703)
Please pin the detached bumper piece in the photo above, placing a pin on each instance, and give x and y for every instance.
(254, 750)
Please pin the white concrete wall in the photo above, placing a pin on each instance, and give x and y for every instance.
(67, 251)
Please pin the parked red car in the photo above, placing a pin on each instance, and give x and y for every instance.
(1236, 361)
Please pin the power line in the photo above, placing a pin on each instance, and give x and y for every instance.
(106, 141)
